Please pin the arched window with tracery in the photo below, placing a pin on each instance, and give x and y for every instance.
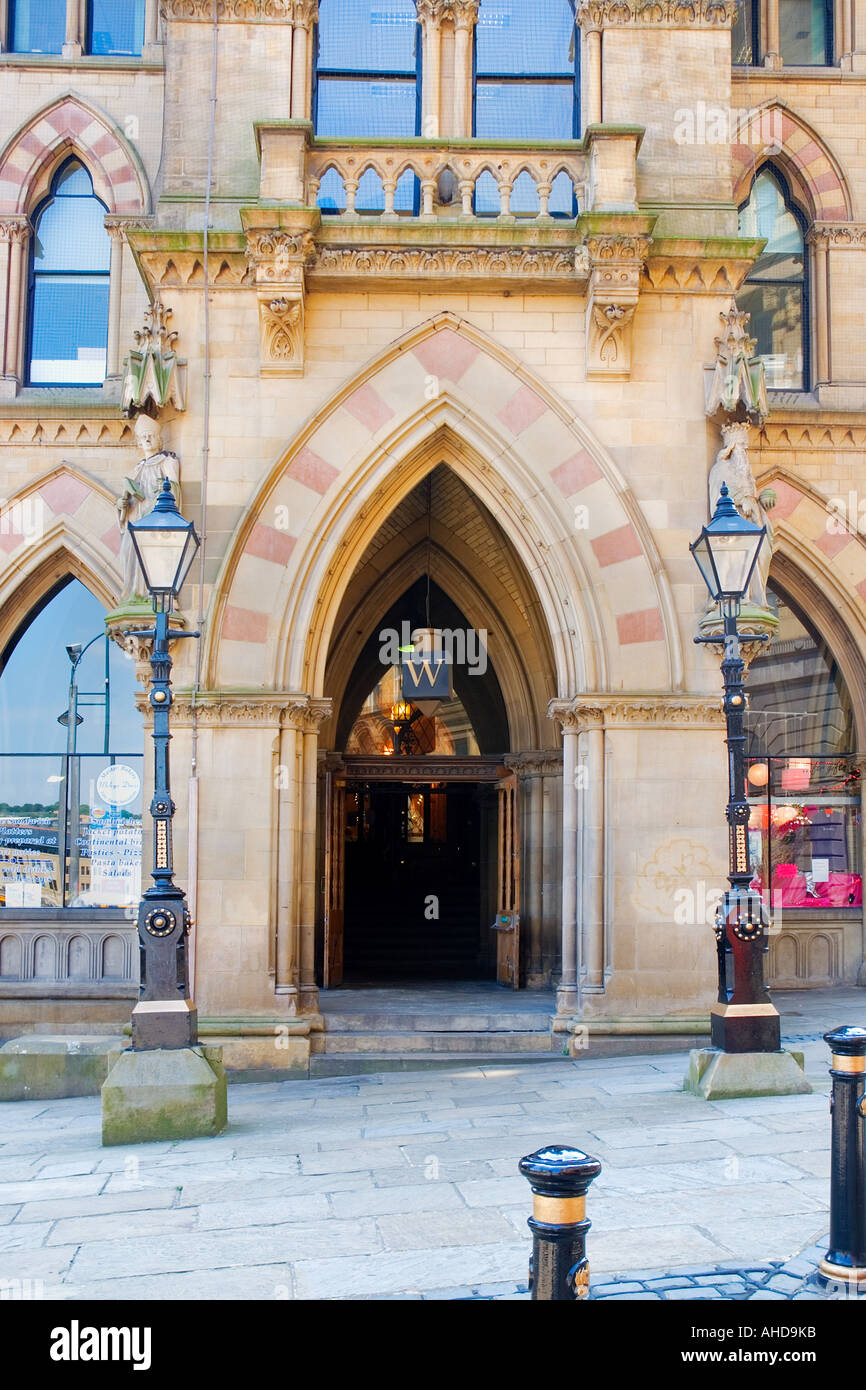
(71, 760)
(69, 282)
(775, 292)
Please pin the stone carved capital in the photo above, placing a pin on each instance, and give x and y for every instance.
(15, 230)
(305, 13)
(280, 257)
(307, 715)
(463, 14)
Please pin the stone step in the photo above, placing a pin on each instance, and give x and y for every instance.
(470, 1043)
(418, 1022)
(358, 1064)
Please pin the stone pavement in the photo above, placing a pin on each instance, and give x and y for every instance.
(404, 1185)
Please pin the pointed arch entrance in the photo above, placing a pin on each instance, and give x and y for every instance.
(432, 827)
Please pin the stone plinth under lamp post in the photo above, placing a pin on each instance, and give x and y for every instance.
(746, 1058)
(166, 1086)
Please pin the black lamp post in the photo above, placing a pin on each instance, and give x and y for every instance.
(744, 1018)
(165, 546)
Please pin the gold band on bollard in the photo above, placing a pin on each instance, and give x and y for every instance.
(854, 1065)
(843, 1274)
(558, 1211)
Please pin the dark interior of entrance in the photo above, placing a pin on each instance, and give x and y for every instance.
(414, 882)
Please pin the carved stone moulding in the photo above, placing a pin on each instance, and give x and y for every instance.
(626, 711)
(786, 435)
(300, 12)
(535, 265)
(61, 431)
(668, 14)
(838, 236)
(710, 266)
(269, 709)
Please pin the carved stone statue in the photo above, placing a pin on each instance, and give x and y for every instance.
(139, 494)
(732, 466)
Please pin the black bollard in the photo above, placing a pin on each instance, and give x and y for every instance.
(845, 1261)
(559, 1177)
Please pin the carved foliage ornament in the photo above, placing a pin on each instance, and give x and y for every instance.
(282, 326)
(280, 257)
(471, 262)
(610, 322)
(678, 14)
(462, 13)
(299, 12)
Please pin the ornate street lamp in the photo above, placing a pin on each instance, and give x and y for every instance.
(165, 546)
(743, 1019)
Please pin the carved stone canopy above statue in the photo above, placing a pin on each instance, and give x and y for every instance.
(153, 376)
(737, 386)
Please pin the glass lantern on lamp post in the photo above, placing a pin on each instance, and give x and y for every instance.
(744, 1018)
(165, 546)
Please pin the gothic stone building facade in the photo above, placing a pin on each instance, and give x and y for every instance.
(446, 315)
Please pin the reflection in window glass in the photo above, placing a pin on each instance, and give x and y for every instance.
(366, 69)
(525, 59)
(803, 782)
(743, 51)
(83, 811)
(37, 26)
(116, 26)
(70, 259)
(774, 292)
(805, 33)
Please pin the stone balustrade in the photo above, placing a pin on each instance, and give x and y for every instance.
(435, 180)
(444, 181)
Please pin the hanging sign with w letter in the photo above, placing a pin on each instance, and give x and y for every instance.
(426, 677)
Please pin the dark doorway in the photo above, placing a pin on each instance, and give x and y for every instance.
(413, 866)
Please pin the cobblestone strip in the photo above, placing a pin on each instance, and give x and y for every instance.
(789, 1280)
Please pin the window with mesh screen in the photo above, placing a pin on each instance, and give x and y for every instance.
(367, 69)
(806, 33)
(744, 44)
(774, 293)
(70, 260)
(526, 54)
(115, 27)
(37, 26)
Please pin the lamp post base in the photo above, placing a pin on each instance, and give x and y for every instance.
(164, 1093)
(745, 1028)
(715, 1075)
(165, 1023)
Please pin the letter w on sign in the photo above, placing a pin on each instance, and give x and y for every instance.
(427, 679)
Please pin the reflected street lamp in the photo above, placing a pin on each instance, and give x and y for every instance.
(744, 1018)
(165, 546)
